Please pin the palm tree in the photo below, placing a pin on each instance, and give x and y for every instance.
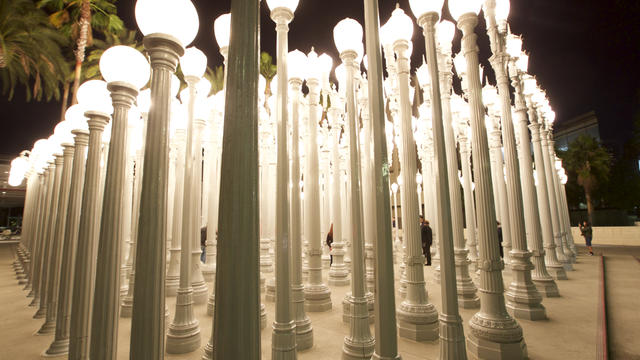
(30, 53)
(590, 161)
(91, 65)
(77, 19)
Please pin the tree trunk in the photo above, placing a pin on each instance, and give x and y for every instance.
(65, 99)
(81, 44)
(587, 195)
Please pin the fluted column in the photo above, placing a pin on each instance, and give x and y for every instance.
(46, 239)
(304, 331)
(469, 199)
(551, 192)
(173, 272)
(417, 318)
(61, 200)
(466, 289)
(104, 323)
(368, 184)
(200, 290)
(338, 273)
(183, 334)
(494, 334)
(36, 260)
(147, 323)
(565, 208)
(500, 186)
(540, 276)
(523, 299)
(126, 305)
(565, 229)
(60, 344)
(317, 294)
(359, 343)
(452, 344)
(386, 346)
(85, 262)
(550, 256)
(237, 289)
(215, 131)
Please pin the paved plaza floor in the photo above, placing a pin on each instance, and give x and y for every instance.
(568, 333)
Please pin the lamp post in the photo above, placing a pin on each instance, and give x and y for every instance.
(466, 289)
(386, 346)
(52, 189)
(523, 299)
(167, 27)
(394, 190)
(126, 71)
(52, 262)
(304, 332)
(64, 163)
(493, 332)
(79, 128)
(417, 318)
(541, 277)
(94, 97)
(283, 344)
(347, 35)
(317, 294)
(452, 343)
(183, 334)
(338, 273)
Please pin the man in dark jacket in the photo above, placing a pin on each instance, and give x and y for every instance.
(427, 239)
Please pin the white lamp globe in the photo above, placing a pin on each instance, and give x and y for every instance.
(489, 95)
(326, 64)
(514, 45)
(144, 101)
(314, 68)
(423, 75)
(133, 116)
(203, 88)
(297, 64)
(94, 96)
(530, 85)
(273, 86)
(445, 30)
(341, 74)
(178, 116)
(75, 116)
(460, 63)
(365, 62)
(290, 5)
(347, 35)
(385, 35)
(222, 30)
(419, 178)
(126, 64)
(62, 132)
(523, 62)
(394, 188)
(550, 115)
(502, 10)
(177, 18)
(193, 63)
(401, 26)
(457, 8)
(422, 7)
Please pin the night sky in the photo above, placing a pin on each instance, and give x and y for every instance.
(585, 53)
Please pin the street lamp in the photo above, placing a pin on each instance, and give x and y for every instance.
(168, 26)
(304, 332)
(283, 337)
(93, 96)
(493, 331)
(126, 70)
(347, 36)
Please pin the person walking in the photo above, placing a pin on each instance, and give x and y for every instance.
(500, 239)
(427, 239)
(203, 244)
(329, 242)
(587, 233)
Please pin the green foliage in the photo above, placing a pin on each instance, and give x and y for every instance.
(65, 15)
(30, 51)
(590, 162)
(215, 77)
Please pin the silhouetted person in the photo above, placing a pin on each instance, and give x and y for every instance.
(427, 239)
(329, 242)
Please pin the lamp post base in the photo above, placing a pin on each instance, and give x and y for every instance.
(478, 348)
(283, 341)
(346, 307)
(418, 322)
(48, 328)
(271, 290)
(547, 287)
(498, 339)
(558, 272)
(359, 344)
(317, 298)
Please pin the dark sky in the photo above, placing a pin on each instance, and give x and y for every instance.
(585, 53)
